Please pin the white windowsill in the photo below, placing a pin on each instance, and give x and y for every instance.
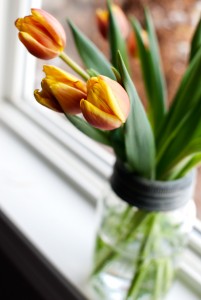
(52, 213)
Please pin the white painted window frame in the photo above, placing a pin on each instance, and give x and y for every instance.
(89, 165)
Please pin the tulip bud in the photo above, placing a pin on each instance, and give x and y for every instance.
(107, 105)
(61, 91)
(102, 17)
(132, 43)
(42, 35)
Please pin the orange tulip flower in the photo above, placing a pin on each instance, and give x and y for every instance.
(102, 17)
(107, 104)
(42, 35)
(61, 91)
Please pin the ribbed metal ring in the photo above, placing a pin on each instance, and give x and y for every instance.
(151, 195)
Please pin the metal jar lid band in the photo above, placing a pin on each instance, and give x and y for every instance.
(151, 195)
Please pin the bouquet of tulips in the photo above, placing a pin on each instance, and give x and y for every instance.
(159, 143)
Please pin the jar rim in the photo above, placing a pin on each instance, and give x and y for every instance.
(151, 195)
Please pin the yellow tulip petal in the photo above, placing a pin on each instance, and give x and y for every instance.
(97, 96)
(109, 96)
(102, 15)
(120, 103)
(45, 100)
(54, 73)
(111, 99)
(18, 23)
(102, 21)
(58, 75)
(98, 118)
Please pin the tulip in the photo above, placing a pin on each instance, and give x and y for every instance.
(102, 17)
(42, 35)
(132, 43)
(107, 104)
(61, 91)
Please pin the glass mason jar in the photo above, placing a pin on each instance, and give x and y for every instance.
(138, 246)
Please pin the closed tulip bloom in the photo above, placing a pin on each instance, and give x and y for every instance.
(107, 105)
(102, 17)
(61, 91)
(42, 35)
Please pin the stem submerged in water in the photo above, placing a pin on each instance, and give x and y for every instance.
(138, 218)
(145, 232)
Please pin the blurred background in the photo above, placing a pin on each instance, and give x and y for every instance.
(174, 21)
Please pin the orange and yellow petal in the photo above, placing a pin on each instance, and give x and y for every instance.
(40, 36)
(45, 100)
(35, 48)
(68, 97)
(102, 17)
(58, 75)
(51, 24)
(97, 96)
(102, 21)
(109, 96)
(121, 103)
(97, 118)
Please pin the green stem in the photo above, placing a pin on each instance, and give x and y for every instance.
(73, 65)
(153, 227)
(145, 251)
(138, 279)
(164, 275)
(160, 269)
(139, 220)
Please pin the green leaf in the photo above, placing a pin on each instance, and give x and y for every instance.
(117, 75)
(92, 57)
(152, 72)
(116, 40)
(144, 60)
(94, 133)
(139, 140)
(185, 160)
(192, 163)
(187, 96)
(159, 80)
(118, 143)
(193, 147)
(196, 41)
(186, 142)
